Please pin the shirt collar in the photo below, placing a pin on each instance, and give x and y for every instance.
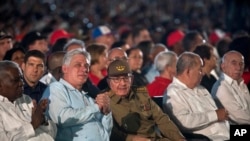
(179, 83)
(69, 86)
(230, 80)
(3, 99)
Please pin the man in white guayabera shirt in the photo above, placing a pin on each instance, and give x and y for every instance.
(230, 91)
(190, 105)
(21, 119)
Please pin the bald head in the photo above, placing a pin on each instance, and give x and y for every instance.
(116, 53)
(55, 60)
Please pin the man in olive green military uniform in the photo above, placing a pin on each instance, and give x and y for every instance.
(136, 116)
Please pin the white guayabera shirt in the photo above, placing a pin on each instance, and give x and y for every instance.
(15, 121)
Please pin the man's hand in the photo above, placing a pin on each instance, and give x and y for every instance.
(103, 101)
(222, 114)
(38, 113)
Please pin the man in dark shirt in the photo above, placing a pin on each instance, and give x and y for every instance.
(33, 69)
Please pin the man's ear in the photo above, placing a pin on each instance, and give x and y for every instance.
(64, 69)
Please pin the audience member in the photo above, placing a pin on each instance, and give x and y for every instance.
(135, 114)
(165, 63)
(15, 54)
(98, 63)
(135, 60)
(78, 116)
(59, 44)
(33, 69)
(191, 40)
(174, 41)
(152, 72)
(34, 40)
(74, 44)
(113, 54)
(223, 46)
(121, 44)
(205, 51)
(54, 67)
(145, 47)
(242, 45)
(88, 86)
(59, 34)
(6, 43)
(190, 105)
(230, 91)
(21, 118)
(103, 35)
(139, 34)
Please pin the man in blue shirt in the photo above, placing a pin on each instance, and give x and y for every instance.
(77, 115)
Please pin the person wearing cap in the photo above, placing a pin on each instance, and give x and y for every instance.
(136, 116)
(59, 34)
(34, 40)
(5, 43)
(113, 54)
(174, 41)
(21, 118)
(77, 115)
(103, 35)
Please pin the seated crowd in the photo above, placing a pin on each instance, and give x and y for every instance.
(103, 90)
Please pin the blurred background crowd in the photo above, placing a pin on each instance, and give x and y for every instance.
(159, 16)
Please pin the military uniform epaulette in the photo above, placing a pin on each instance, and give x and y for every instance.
(141, 89)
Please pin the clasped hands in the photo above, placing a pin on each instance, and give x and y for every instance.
(103, 101)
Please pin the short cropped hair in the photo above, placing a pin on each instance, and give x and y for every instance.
(69, 55)
(185, 61)
(164, 59)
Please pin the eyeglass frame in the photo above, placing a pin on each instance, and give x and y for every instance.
(117, 79)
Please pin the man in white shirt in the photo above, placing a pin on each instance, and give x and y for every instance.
(20, 117)
(190, 105)
(230, 91)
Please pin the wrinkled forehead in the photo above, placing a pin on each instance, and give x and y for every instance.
(234, 56)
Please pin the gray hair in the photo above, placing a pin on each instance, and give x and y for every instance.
(69, 55)
(185, 61)
(164, 59)
(5, 64)
(230, 52)
(74, 42)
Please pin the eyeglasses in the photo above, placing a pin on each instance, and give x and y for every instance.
(118, 79)
(118, 58)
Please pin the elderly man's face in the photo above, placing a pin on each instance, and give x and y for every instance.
(120, 85)
(233, 65)
(12, 84)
